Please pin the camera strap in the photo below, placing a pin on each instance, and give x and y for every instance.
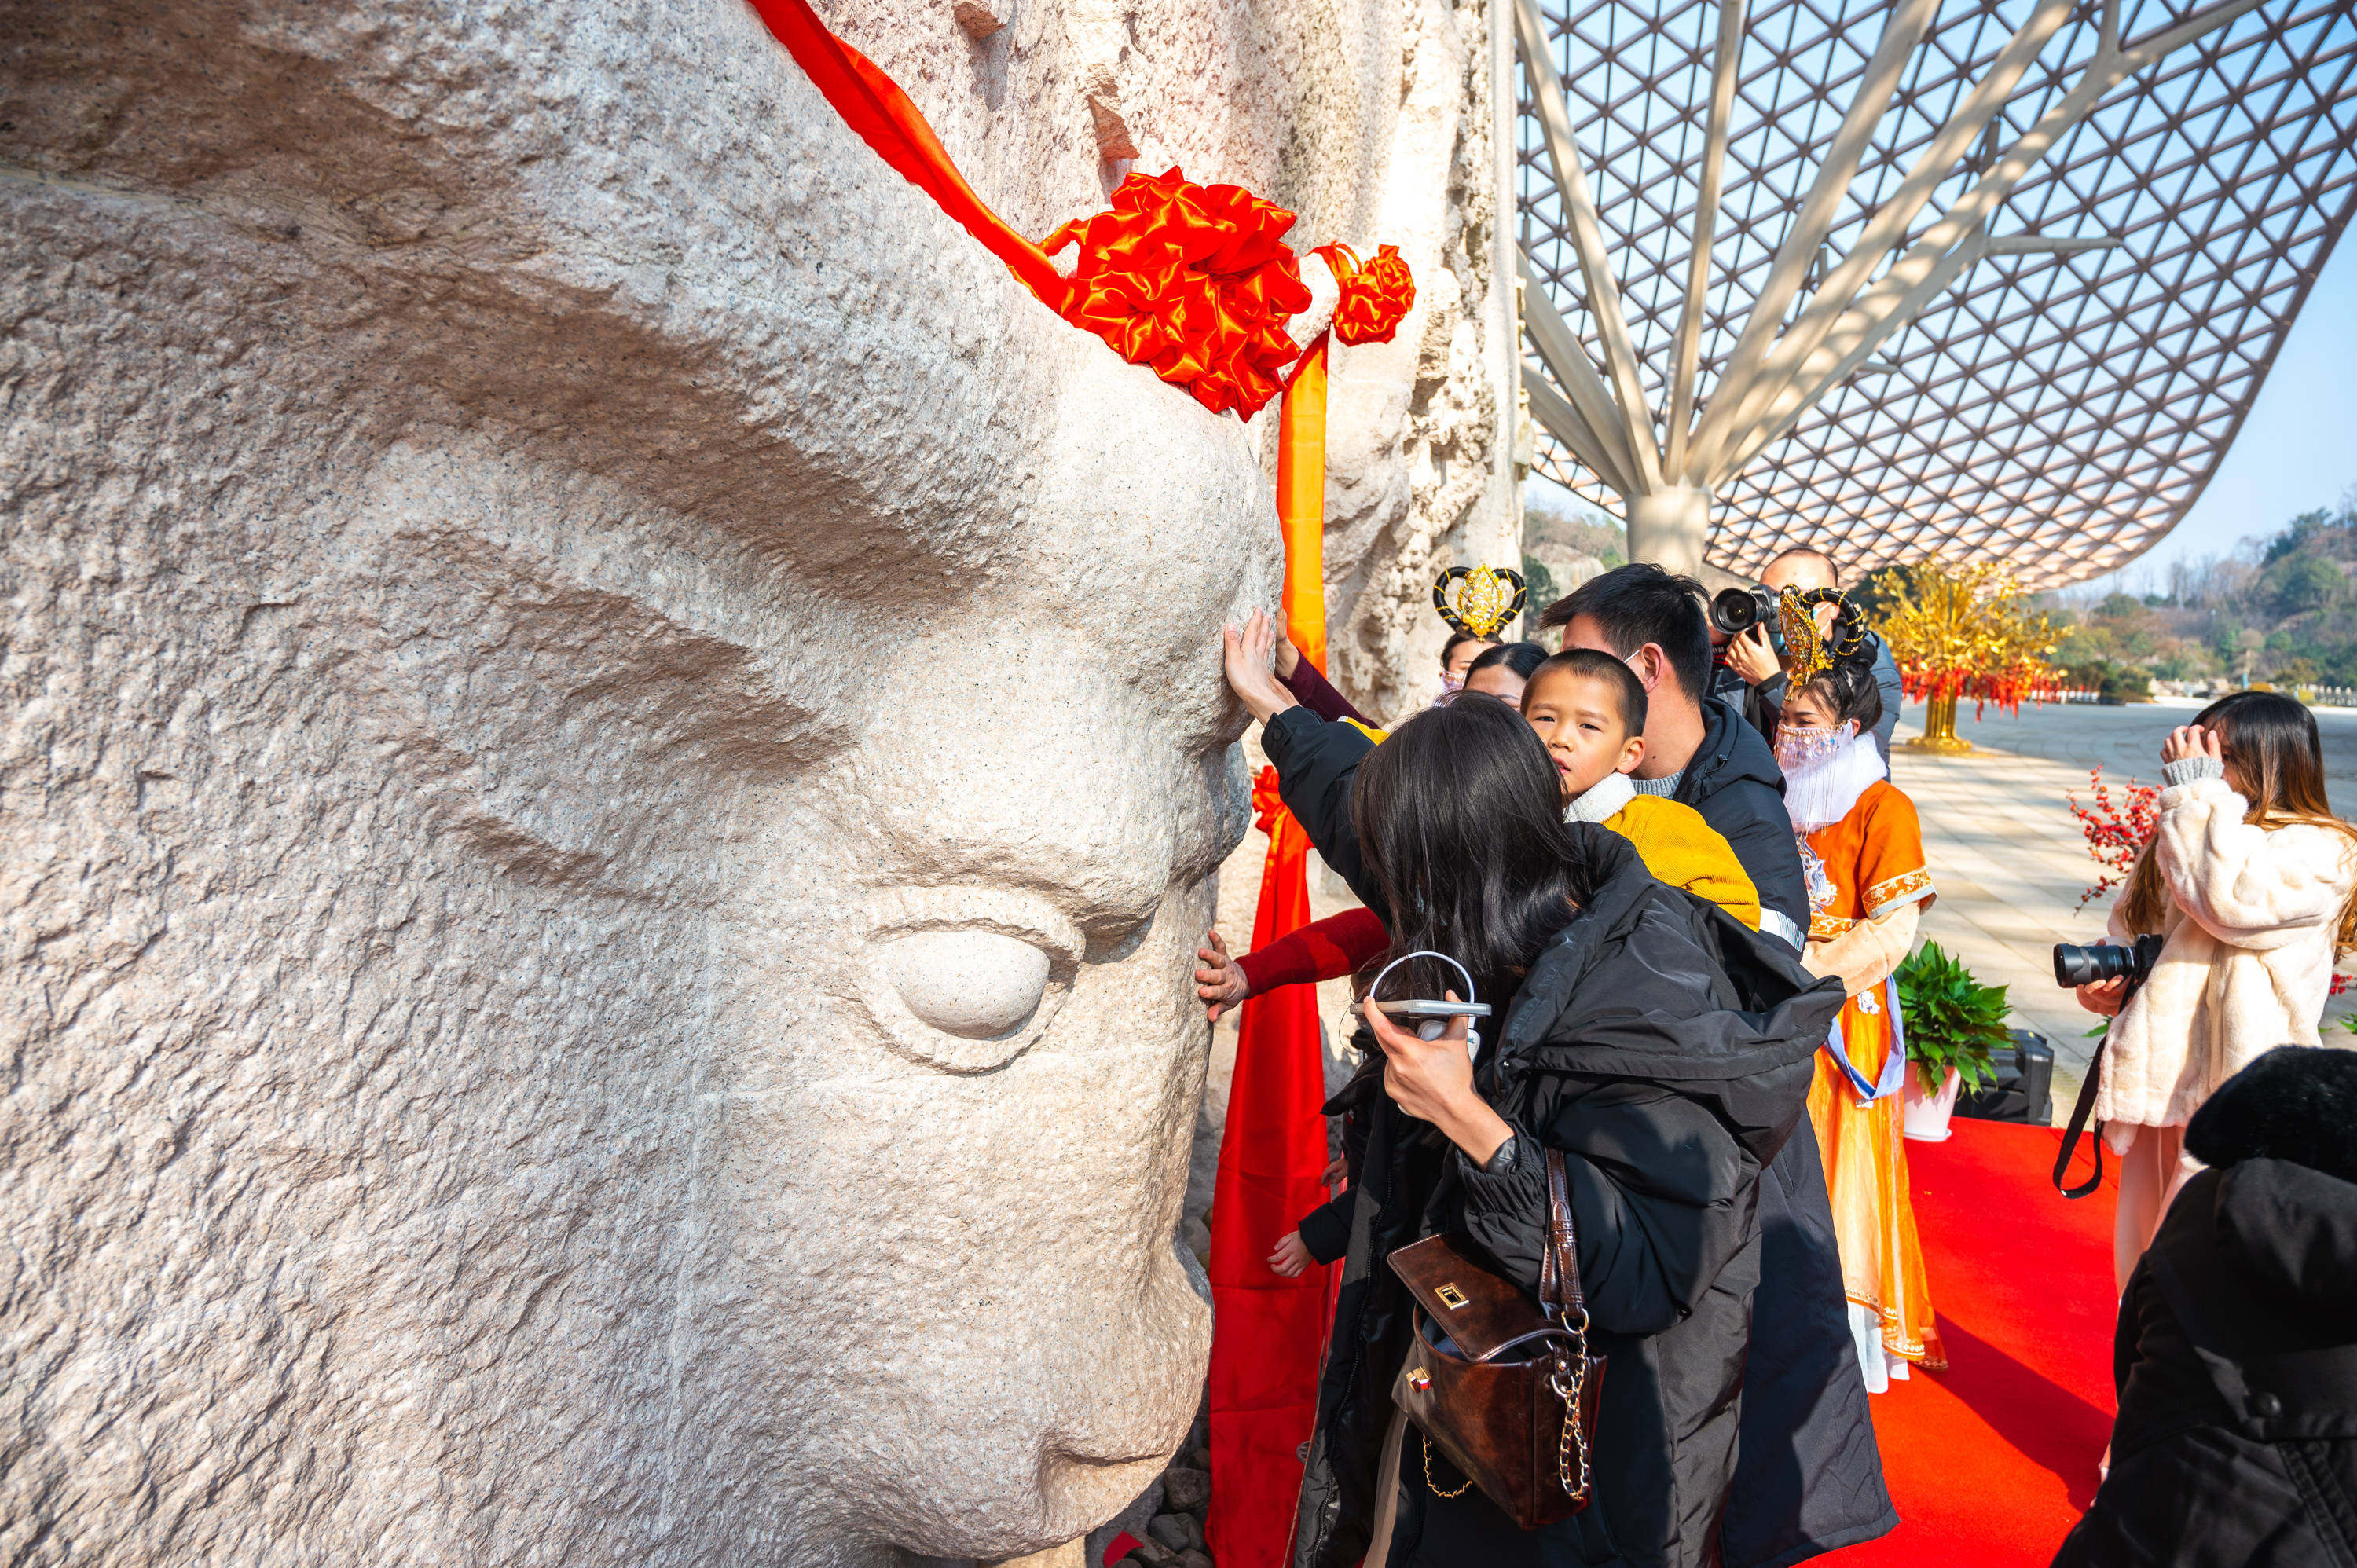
(2079, 1115)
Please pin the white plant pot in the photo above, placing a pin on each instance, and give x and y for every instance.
(1926, 1115)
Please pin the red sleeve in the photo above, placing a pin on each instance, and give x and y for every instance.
(1317, 693)
(1323, 949)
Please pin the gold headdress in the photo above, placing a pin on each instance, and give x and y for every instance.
(1810, 655)
(1483, 603)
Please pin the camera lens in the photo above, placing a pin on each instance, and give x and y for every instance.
(2091, 965)
(1735, 611)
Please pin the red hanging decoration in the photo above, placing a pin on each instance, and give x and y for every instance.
(873, 105)
(1376, 297)
(1267, 1330)
(1194, 281)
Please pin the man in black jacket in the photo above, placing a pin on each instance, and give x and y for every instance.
(1698, 753)
(2236, 1354)
(1810, 1476)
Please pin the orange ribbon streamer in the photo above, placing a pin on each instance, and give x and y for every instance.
(1195, 281)
(1301, 505)
(1268, 1333)
(873, 105)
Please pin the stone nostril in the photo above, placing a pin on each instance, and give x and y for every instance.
(978, 985)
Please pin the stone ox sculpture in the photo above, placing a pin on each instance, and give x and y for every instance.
(613, 757)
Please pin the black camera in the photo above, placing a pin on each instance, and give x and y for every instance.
(2099, 961)
(1735, 611)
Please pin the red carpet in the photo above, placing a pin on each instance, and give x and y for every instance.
(1992, 1461)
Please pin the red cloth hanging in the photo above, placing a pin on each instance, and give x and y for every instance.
(1267, 1331)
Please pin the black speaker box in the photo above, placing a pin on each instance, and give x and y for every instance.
(2024, 1087)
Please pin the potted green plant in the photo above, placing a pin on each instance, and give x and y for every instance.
(1953, 1022)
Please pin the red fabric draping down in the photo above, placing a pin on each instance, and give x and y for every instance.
(1376, 297)
(1267, 1330)
(873, 105)
(1195, 281)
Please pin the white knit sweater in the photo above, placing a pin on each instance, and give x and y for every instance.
(2247, 962)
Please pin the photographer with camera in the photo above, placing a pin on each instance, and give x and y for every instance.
(1755, 660)
(2247, 882)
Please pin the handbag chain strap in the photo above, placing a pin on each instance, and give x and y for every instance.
(1568, 1382)
(1428, 1472)
(1561, 1296)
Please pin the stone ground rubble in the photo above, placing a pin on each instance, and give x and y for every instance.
(1167, 1521)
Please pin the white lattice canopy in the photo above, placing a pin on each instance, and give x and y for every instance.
(1976, 278)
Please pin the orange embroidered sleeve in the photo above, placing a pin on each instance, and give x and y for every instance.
(1892, 868)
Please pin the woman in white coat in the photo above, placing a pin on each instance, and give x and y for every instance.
(2248, 878)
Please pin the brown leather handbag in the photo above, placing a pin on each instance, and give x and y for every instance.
(1509, 1395)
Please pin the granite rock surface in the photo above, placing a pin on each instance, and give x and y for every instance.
(549, 595)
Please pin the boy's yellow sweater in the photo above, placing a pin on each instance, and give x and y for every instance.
(1679, 848)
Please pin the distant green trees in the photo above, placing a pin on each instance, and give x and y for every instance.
(2282, 608)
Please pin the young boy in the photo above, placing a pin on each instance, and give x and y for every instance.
(1589, 709)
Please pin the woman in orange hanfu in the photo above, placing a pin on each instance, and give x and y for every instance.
(1862, 850)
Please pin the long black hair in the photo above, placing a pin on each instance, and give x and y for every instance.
(1459, 818)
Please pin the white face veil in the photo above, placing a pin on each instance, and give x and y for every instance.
(1826, 768)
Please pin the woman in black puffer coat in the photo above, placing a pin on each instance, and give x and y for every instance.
(2236, 1354)
(1664, 1048)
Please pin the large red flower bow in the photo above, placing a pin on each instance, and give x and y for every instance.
(1375, 297)
(1192, 280)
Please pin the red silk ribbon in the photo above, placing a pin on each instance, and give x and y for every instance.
(873, 105)
(1195, 281)
(1267, 1330)
(1266, 803)
(1376, 297)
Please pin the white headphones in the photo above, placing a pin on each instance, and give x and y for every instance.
(1432, 1028)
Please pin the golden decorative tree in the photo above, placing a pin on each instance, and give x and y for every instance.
(1961, 632)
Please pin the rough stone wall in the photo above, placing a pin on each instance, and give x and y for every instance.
(550, 599)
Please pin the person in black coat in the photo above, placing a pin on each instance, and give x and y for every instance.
(1664, 1048)
(2237, 1354)
(1809, 1476)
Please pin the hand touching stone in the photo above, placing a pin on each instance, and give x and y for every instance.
(1248, 655)
(1218, 979)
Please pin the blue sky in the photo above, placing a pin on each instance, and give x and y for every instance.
(2297, 450)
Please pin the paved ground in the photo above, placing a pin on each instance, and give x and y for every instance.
(2008, 858)
(2127, 739)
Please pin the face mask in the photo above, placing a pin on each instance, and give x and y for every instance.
(1451, 684)
(1797, 747)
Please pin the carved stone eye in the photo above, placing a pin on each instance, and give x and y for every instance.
(965, 979)
(977, 985)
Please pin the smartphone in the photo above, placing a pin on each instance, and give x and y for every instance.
(1419, 1008)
